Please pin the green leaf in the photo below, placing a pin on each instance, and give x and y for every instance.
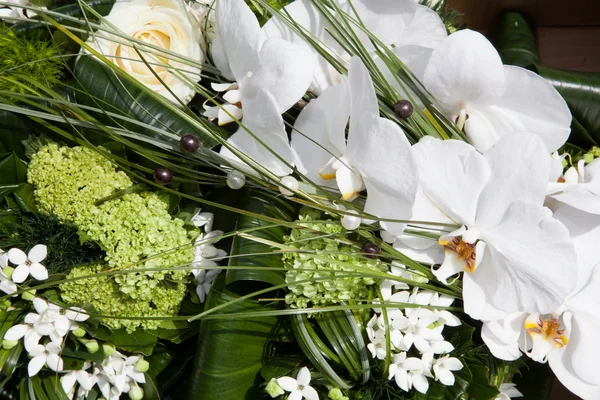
(136, 342)
(479, 388)
(13, 170)
(150, 389)
(229, 355)
(103, 89)
(14, 128)
(515, 40)
(581, 90)
(159, 360)
(277, 367)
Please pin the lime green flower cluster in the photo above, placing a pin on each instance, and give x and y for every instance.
(314, 274)
(106, 296)
(135, 230)
(69, 180)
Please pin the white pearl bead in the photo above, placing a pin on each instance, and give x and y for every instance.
(288, 185)
(351, 222)
(236, 180)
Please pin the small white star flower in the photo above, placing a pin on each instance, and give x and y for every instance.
(299, 388)
(29, 264)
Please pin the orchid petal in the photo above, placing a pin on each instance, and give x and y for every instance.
(219, 56)
(348, 181)
(502, 336)
(569, 378)
(38, 253)
(35, 365)
(17, 256)
(426, 29)
(363, 102)
(531, 264)
(262, 119)
(239, 36)
(464, 69)
(285, 72)
(519, 171)
(228, 113)
(581, 351)
(464, 172)
(319, 132)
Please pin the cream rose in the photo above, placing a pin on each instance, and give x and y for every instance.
(161, 23)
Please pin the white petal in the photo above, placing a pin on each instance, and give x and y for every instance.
(453, 265)
(239, 35)
(363, 101)
(295, 395)
(464, 70)
(452, 175)
(20, 273)
(35, 365)
(582, 349)
(502, 336)
(232, 96)
(86, 380)
(264, 121)
(453, 364)
(580, 196)
(319, 131)
(445, 377)
(288, 384)
(285, 72)
(228, 113)
(401, 378)
(38, 271)
(16, 332)
(17, 256)
(219, 56)
(303, 377)
(55, 363)
(519, 171)
(38, 253)
(569, 378)
(40, 305)
(32, 339)
(62, 325)
(76, 314)
(442, 347)
(68, 381)
(531, 264)
(310, 393)
(348, 180)
(426, 29)
(538, 108)
(44, 328)
(420, 383)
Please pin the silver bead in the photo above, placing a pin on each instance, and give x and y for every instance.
(351, 222)
(236, 180)
(288, 185)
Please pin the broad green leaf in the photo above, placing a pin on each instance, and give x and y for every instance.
(277, 367)
(135, 342)
(150, 390)
(103, 89)
(260, 203)
(581, 90)
(479, 388)
(515, 40)
(159, 360)
(14, 129)
(229, 355)
(13, 170)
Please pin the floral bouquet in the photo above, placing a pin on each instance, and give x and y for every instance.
(316, 199)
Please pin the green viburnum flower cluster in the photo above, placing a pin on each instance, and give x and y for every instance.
(135, 230)
(105, 294)
(319, 256)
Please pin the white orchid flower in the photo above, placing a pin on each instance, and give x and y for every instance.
(565, 337)
(443, 368)
(270, 76)
(411, 372)
(299, 388)
(376, 154)
(578, 187)
(466, 76)
(516, 256)
(29, 264)
(408, 29)
(508, 391)
(6, 285)
(48, 354)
